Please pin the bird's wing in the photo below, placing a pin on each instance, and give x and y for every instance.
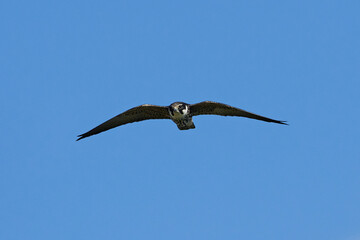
(136, 114)
(215, 108)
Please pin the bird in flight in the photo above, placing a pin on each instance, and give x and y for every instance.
(179, 112)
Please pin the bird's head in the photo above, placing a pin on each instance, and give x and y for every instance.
(178, 109)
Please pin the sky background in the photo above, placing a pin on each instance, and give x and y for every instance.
(67, 66)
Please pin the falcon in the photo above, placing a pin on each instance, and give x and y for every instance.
(179, 112)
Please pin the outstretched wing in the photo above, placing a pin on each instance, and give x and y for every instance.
(221, 109)
(136, 114)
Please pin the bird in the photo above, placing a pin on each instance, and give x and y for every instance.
(179, 112)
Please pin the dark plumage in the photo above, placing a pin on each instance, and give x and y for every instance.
(214, 108)
(179, 112)
(136, 114)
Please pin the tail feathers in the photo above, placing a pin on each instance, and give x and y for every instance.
(186, 127)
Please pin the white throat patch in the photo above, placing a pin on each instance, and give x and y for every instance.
(178, 115)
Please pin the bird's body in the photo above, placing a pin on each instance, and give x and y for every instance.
(179, 112)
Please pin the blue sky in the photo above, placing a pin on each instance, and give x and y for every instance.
(67, 66)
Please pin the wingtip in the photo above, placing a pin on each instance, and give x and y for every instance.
(284, 122)
(80, 137)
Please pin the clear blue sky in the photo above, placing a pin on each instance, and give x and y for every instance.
(66, 66)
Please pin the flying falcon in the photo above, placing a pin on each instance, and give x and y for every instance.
(179, 112)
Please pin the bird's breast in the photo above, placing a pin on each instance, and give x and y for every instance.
(178, 116)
